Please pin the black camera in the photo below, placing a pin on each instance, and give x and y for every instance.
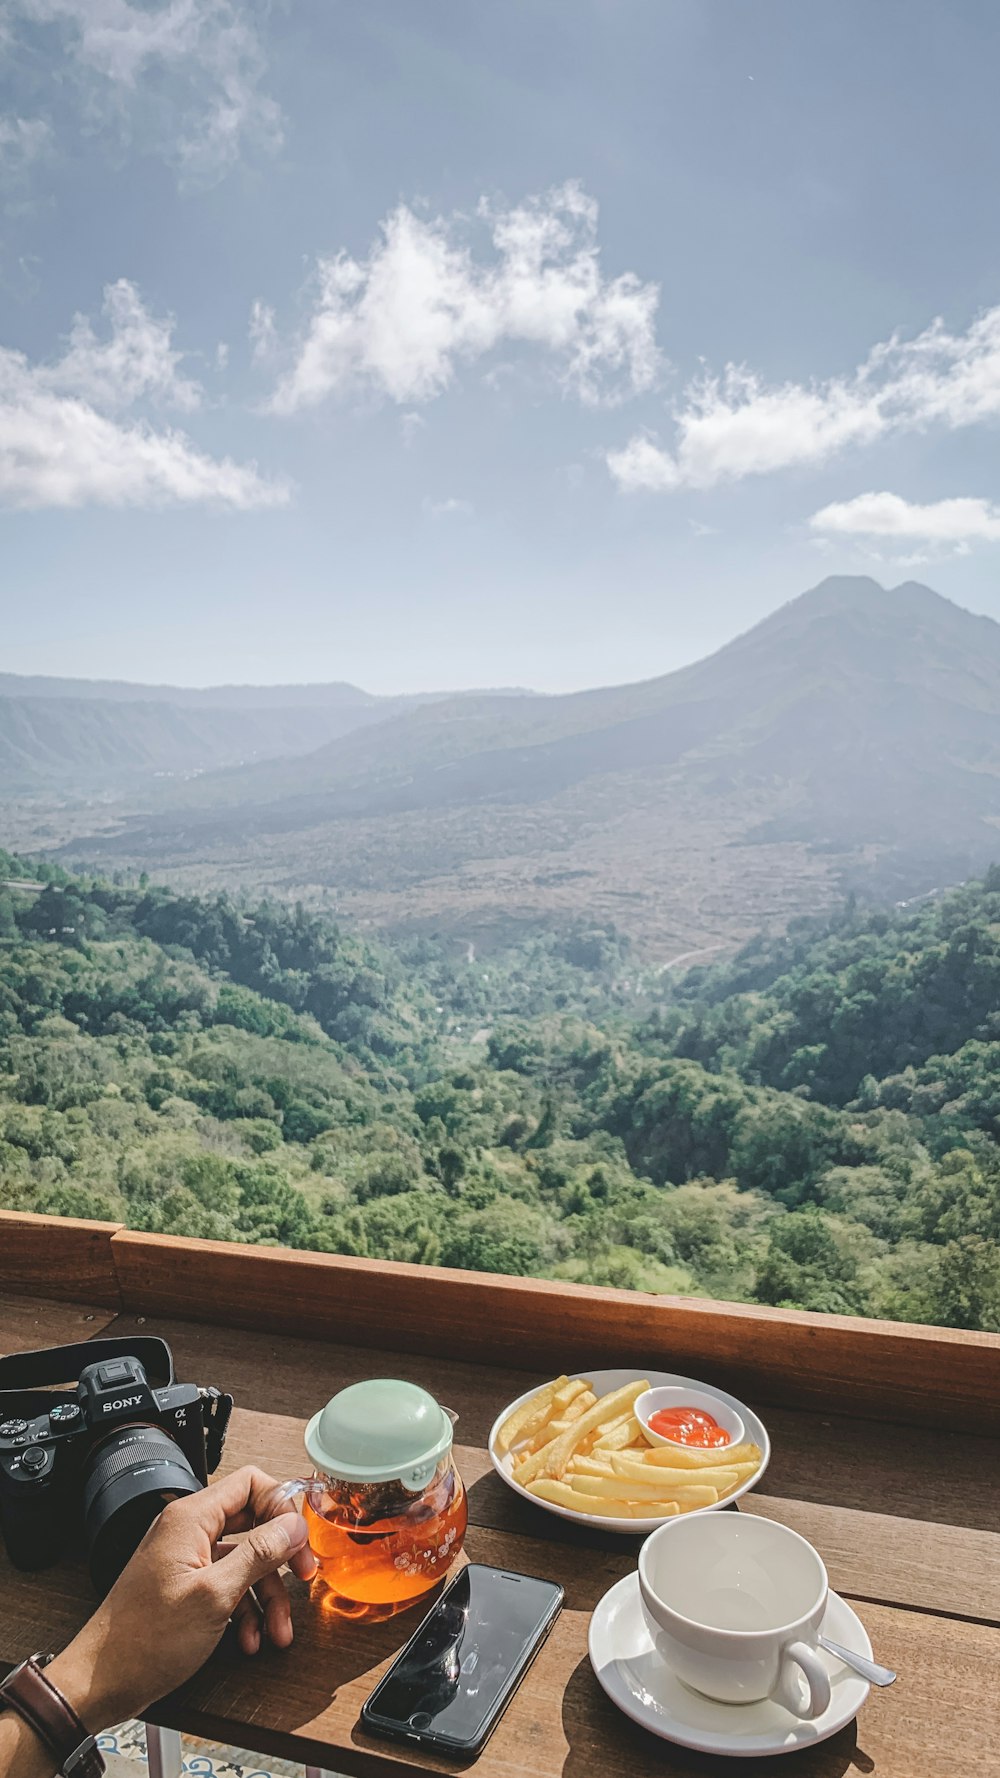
(93, 1465)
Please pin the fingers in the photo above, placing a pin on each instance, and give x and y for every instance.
(274, 1603)
(246, 1623)
(303, 1563)
(268, 1504)
(233, 1503)
(259, 1554)
(267, 1607)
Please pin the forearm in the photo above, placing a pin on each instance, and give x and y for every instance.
(22, 1753)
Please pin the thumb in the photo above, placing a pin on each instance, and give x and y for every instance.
(261, 1552)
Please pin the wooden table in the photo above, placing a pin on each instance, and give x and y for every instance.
(905, 1516)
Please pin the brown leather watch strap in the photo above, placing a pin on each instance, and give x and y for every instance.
(31, 1693)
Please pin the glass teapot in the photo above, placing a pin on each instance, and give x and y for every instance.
(385, 1505)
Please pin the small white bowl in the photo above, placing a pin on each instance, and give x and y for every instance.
(676, 1396)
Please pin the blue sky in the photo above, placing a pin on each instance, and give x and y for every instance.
(444, 344)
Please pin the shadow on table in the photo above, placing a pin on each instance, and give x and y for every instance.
(283, 1692)
(920, 1472)
(496, 1507)
(592, 1725)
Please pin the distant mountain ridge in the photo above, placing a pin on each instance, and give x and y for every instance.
(338, 694)
(100, 736)
(873, 683)
(94, 744)
(853, 735)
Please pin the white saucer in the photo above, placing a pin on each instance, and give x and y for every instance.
(634, 1677)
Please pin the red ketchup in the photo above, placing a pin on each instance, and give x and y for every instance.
(688, 1426)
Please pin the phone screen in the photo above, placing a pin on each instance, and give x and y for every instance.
(455, 1673)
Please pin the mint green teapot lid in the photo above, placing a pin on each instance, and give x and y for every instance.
(382, 1430)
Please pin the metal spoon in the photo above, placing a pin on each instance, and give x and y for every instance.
(861, 1664)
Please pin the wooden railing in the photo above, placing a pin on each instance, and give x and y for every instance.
(884, 1370)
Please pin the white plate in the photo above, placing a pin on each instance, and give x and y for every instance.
(643, 1686)
(604, 1383)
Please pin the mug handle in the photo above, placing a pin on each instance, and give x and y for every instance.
(816, 1677)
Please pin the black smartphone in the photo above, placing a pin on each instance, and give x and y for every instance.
(456, 1675)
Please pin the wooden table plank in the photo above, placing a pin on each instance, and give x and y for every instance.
(950, 1478)
(27, 1322)
(871, 1555)
(940, 1720)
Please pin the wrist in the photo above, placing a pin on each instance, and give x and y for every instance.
(80, 1672)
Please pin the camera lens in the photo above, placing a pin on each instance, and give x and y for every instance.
(131, 1476)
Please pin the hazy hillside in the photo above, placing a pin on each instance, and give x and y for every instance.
(101, 745)
(855, 733)
(338, 695)
(894, 667)
(847, 646)
(109, 737)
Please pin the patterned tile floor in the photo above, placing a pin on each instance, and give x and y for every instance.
(124, 1750)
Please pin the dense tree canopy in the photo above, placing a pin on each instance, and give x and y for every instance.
(815, 1123)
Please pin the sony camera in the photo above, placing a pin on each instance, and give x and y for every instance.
(90, 1466)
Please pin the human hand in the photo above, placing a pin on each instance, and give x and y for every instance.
(171, 1604)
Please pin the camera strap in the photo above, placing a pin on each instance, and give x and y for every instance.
(22, 1372)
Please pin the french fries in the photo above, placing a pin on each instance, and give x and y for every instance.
(568, 1394)
(590, 1466)
(654, 1475)
(526, 1419)
(693, 1457)
(584, 1400)
(590, 1455)
(610, 1488)
(562, 1495)
(553, 1458)
(619, 1437)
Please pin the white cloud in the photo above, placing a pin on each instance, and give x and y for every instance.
(136, 360)
(735, 425)
(262, 332)
(642, 466)
(449, 509)
(191, 70)
(402, 321)
(959, 521)
(22, 140)
(61, 443)
(411, 425)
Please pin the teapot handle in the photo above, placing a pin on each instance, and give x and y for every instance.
(309, 1488)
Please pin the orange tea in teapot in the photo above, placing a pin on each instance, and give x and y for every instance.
(379, 1545)
(385, 1506)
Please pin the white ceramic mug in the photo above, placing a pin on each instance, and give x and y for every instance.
(734, 1604)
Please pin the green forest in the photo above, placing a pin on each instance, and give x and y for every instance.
(813, 1124)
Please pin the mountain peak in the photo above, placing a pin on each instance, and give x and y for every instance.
(899, 609)
(842, 592)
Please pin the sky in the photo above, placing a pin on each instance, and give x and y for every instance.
(452, 344)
